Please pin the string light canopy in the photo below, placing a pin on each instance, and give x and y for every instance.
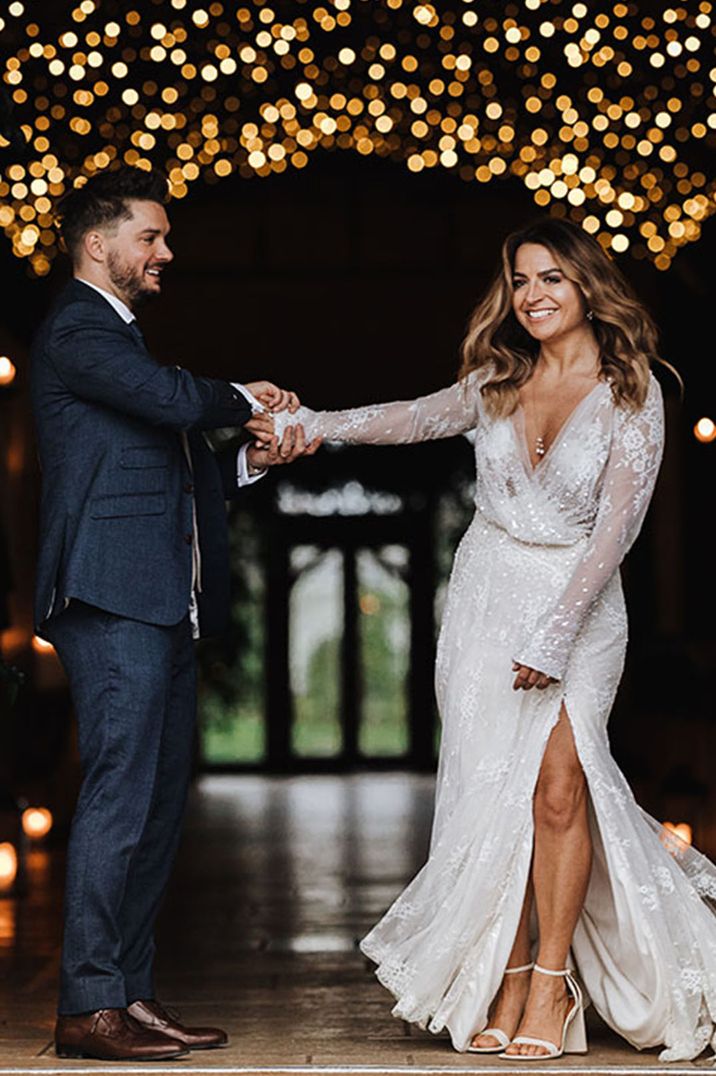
(605, 112)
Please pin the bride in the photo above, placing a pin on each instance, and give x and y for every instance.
(541, 863)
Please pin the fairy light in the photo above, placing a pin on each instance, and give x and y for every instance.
(605, 116)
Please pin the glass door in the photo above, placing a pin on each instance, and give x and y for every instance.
(384, 651)
(315, 643)
(349, 652)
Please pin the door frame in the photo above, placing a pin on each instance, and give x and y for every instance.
(411, 529)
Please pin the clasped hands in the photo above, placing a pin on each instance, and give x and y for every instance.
(266, 451)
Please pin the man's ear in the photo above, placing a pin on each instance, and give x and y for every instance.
(95, 246)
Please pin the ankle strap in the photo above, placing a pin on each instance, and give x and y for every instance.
(522, 967)
(548, 971)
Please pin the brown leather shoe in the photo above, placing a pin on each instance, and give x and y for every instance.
(112, 1035)
(150, 1014)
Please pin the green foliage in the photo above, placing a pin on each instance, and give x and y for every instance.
(231, 683)
(316, 729)
(384, 728)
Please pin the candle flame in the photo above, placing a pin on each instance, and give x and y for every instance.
(7, 371)
(682, 830)
(705, 430)
(36, 822)
(8, 866)
(41, 646)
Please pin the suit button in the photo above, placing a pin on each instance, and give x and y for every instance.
(188, 539)
(188, 487)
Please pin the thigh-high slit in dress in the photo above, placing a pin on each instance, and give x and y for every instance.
(536, 579)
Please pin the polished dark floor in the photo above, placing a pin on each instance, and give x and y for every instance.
(276, 881)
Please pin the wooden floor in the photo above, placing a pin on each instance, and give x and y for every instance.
(277, 879)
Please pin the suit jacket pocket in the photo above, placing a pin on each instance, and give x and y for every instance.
(142, 456)
(116, 505)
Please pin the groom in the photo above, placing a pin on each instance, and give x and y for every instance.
(133, 565)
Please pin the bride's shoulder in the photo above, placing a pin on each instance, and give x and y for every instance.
(646, 421)
(653, 398)
(654, 391)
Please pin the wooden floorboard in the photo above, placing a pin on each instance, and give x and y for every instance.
(277, 880)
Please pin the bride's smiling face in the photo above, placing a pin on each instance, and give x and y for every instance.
(545, 301)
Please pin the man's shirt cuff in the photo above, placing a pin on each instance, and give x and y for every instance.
(243, 478)
(256, 406)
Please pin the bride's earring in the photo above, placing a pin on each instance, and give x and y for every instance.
(590, 315)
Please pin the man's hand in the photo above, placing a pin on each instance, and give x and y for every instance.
(528, 678)
(272, 397)
(291, 448)
(261, 427)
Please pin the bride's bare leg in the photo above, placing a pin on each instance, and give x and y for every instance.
(560, 872)
(506, 1009)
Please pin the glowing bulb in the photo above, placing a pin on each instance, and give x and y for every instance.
(705, 430)
(7, 371)
(682, 830)
(8, 866)
(424, 14)
(36, 822)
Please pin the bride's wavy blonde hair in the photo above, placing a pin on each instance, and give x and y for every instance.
(624, 330)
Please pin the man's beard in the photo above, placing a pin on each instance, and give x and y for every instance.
(128, 281)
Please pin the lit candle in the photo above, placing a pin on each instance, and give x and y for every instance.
(682, 830)
(36, 822)
(7, 371)
(705, 430)
(41, 646)
(8, 866)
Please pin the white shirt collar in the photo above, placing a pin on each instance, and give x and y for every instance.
(121, 308)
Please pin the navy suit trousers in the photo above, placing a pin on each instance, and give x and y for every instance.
(134, 693)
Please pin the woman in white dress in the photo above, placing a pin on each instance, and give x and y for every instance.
(540, 859)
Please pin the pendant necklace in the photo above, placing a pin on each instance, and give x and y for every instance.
(540, 448)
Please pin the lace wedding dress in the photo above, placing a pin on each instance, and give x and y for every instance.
(536, 579)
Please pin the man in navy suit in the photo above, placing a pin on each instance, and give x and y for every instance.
(133, 565)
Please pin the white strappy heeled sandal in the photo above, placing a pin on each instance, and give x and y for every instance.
(574, 1031)
(496, 1032)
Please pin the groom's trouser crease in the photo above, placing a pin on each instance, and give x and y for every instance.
(133, 688)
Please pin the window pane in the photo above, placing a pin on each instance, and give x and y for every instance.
(384, 626)
(232, 678)
(315, 633)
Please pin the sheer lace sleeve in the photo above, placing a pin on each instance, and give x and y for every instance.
(445, 413)
(628, 483)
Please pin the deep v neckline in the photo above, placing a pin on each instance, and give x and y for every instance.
(521, 431)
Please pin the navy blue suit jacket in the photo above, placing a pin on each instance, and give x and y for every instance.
(117, 491)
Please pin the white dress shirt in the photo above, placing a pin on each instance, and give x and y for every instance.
(243, 477)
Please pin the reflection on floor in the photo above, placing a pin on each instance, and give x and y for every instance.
(276, 881)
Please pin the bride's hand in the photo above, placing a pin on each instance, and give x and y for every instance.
(272, 397)
(527, 678)
(292, 447)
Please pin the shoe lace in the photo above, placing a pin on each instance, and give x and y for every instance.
(168, 1011)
